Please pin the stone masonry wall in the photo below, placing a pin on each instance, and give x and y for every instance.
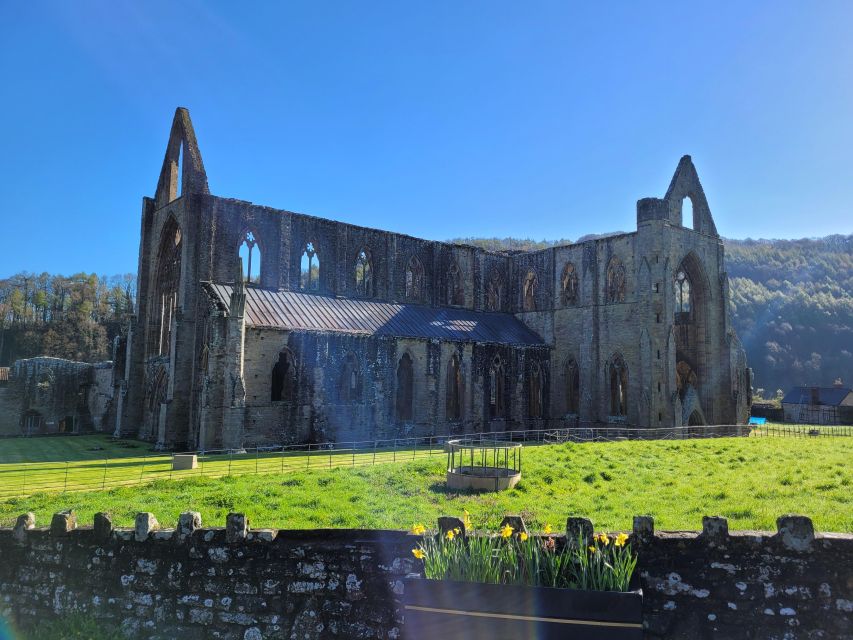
(252, 584)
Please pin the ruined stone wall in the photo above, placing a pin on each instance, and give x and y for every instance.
(60, 396)
(251, 584)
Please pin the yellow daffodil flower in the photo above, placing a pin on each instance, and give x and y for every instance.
(506, 531)
(466, 520)
(621, 539)
(419, 554)
(449, 535)
(592, 549)
(418, 529)
(457, 531)
(522, 536)
(548, 529)
(603, 539)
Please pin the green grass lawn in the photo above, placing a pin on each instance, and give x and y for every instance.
(749, 480)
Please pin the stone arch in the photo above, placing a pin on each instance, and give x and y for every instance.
(350, 381)
(166, 289)
(309, 267)
(535, 393)
(364, 273)
(569, 287)
(618, 386)
(250, 252)
(616, 280)
(284, 379)
(32, 423)
(494, 292)
(528, 291)
(414, 280)
(497, 389)
(571, 388)
(454, 389)
(455, 293)
(405, 391)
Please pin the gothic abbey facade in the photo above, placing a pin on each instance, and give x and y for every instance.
(261, 326)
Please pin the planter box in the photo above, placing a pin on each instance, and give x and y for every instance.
(441, 609)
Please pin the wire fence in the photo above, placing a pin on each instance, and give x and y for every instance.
(27, 478)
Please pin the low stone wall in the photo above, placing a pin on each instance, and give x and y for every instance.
(234, 582)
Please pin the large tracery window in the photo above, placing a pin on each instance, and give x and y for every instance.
(494, 297)
(405, 389)
(250, 254)
(166, 289)
(364, 274)
(284, 378)
(682, 297)
(569, 284)
(453, 405)
(534, 391)
(616, 281)
(497, 394)
(572, 390)
(529, 291)
(309, 277)
(414, 280)
(455, 295)
(349, 387)
(618, 387)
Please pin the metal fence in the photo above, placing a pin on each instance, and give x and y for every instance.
(27, 478)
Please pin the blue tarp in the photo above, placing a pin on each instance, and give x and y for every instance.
(754, 420)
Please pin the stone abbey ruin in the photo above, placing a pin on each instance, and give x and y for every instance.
(336, 332)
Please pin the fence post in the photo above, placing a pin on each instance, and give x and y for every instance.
(142, 470)
(394, 459)
(282, 457)
(65, 488)
(374, 452)
(230, 459)
(308, 457)
(26, 467)
(104, 481)
(257, 454)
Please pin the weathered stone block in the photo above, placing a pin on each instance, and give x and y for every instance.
(644, 528)
(578, 529)
(795, 532)
(144, 525)
(103, 527)
(516, 522)
(236, 527)
(63, 522)
(24, 523)
(188, 522)
(715, 528)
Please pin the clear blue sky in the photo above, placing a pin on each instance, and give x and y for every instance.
(437, 119)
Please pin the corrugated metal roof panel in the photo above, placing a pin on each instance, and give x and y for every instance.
(311, 312)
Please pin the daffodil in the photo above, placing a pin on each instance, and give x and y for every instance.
(419, 554)
(548, 529)
(522, 536)
(592, 549)
(506, 531)
(449, 535)
(466, 520)
(418, 529)
(603, 539)
(457, 531)
(621, 539)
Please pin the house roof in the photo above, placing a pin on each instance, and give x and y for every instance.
(297, 311)
(830, 396)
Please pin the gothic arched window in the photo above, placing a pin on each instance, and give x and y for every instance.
(414, 280)
(618, 387)
(494, 297)
(682, 297)
(569, 284)
(250, 253)
(455, 294)
(309, 276)
(283, 386)
(534, 391)
(615, 281)
(405, 389)
(528, 291)
(364, 274)
(572, 389)
(497, 395)
(165, 299)
(349, 387)
(453, 404)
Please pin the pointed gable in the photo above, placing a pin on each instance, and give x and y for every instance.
(685, 184)
(183, 170)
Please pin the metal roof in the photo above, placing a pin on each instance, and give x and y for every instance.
(298, 311)
(829, 396)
